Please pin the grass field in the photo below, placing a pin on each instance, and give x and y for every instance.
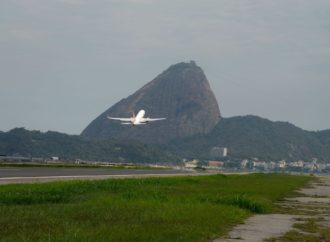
(151, 209)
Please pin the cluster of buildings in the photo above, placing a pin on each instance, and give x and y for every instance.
(220, 161)
(299, 166)
(18, 158)
(257, 165)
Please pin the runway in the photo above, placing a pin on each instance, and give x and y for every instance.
(43, 174)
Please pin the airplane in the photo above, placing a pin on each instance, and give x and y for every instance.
(136, 120)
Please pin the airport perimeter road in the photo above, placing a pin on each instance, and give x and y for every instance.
(43, 174)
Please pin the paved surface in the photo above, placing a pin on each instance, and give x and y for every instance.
(314, 202)
(41, 174)
(260, 227)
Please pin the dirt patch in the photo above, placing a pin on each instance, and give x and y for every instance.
(291, 219)
(260, 227)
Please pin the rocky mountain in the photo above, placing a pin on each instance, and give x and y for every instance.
(181, 94)
(192, 129)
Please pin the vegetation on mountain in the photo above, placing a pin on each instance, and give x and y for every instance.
(324, 137)
(22, 142)
(252, 136)
(244, 136)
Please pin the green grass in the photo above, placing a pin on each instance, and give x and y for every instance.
(296, 236)
(310, 226)
(151, 209)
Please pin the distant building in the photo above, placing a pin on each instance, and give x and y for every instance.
(298, 163)
(260, 164)
(218, 152)
(194, 161)
(282, 164)
(191, 164)
(321, 167)
(215, 164)
(244, 163)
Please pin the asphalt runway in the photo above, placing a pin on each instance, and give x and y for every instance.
(45, 174)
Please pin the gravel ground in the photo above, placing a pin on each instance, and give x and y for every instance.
(314, 202)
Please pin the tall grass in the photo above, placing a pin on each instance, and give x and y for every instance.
(245, 202)
(150, 209)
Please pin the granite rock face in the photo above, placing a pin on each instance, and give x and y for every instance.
(181, 94)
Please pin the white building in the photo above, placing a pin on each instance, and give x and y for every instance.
(282, 164)
(298, 163)
(244, 163)
(219, 152)
(191, 164)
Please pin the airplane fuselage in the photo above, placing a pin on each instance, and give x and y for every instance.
(138, 119)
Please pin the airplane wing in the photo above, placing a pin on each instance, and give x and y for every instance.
(152, 119)
(120, 119)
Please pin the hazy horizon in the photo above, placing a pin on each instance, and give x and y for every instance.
(64, 62)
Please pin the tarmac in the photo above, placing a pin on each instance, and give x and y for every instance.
(43, 174)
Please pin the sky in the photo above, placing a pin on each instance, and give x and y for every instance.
(64, 62)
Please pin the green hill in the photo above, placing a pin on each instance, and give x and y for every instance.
(324, 137)
(252, 136)
(22, 142)
(244, 136)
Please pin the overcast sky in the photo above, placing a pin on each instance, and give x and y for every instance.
(63, 62)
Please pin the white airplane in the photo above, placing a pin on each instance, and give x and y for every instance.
(137, 120)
